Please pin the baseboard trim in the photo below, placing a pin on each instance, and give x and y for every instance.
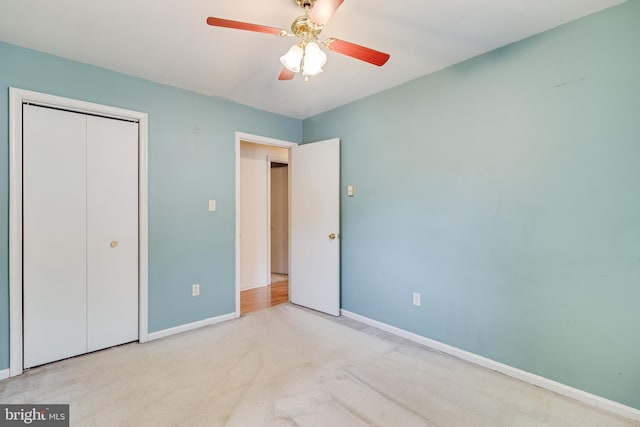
(4, 374)
(249, 287)
(556, 387)
(190, 326)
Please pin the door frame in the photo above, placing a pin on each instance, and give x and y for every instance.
(273, 159)
(255, 139)
(17, 97)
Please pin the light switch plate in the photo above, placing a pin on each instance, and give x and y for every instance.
(212, 205)
(416, 299)
(351, 190)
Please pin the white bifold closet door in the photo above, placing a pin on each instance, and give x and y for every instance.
(80, 233)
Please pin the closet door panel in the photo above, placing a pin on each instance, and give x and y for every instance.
(54, 235)
(112, 232)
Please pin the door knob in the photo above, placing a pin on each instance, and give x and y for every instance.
(114, 243)
(332, 236)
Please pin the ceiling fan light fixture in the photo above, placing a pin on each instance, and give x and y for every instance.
(314, 59)
(293, 58)
(307, 56)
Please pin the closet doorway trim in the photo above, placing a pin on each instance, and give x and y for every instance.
(18, 97)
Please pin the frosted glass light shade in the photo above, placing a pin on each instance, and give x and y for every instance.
(314, 59)
(293, 58)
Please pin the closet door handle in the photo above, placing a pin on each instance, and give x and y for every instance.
(114, 243)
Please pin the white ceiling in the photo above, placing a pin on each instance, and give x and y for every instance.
(168, 41)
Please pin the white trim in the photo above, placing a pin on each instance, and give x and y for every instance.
(15, 232)
(556, 387)
(143, 230)
(248, 288)
(263, 140)
(16, 98)
(4, 374)
(256, 139)
(191, 326)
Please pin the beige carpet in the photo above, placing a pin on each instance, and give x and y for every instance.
(287, 366)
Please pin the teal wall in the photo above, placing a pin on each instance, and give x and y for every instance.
(506, 190)
(503, 189)
(191, 160)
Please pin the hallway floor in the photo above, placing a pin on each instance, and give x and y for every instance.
(267, 296)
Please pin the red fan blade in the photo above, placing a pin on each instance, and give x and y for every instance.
(324, 10)
(286, 74)
(227, 23)
(362, 53)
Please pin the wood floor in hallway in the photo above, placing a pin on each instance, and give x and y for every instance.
(267, 296)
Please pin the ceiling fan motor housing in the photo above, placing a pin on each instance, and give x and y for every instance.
(304, 28)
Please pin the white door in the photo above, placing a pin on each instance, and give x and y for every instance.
(80, 195)
(314, 276)
(54, 236)
(112, 232)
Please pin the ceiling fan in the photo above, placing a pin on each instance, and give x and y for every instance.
(306, 56)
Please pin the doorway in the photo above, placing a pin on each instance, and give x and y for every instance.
(277, 292)
(314, 222)
(18, 99)
(263, 226)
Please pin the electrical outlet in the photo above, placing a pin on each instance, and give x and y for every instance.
(416, 299)
(195, 290)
